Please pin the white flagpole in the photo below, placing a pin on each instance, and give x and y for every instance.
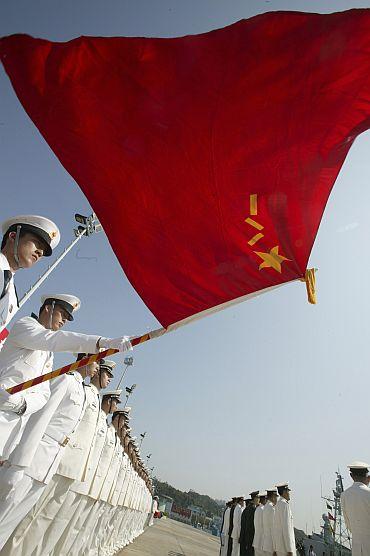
(92, 226)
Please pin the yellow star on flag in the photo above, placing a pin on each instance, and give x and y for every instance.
(272, 259)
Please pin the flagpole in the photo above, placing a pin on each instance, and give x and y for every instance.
(49, 270)
(88, 225)
(86, 361)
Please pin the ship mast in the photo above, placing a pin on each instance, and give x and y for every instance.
(339, 541)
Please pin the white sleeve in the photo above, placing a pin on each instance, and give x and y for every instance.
(36, 397)
(286, 530)
(26, 335)
(346, 518)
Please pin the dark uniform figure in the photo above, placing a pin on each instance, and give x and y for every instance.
(231, 525)
(247, 525)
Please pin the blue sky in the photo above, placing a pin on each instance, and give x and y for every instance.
(270, 390)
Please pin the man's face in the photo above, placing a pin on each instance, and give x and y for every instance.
(59, 316)
(30, 248)
(286, 494)
(92, 369)
(105, 379)
(115, 423)
(256, 500)
(126, 441)
(122, 423)
(274, 499)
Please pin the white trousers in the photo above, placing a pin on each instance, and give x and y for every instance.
(236, 548)
(18, 494)
(31, 535)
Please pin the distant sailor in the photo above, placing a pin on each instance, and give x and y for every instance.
(235, 533)
(284, 539)
(268, 516)
(225, 529)
(258, 525)
(231, 525)
(247, 525)
(25, 240)
(356, 508)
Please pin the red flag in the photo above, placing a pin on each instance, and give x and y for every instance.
(208, 159)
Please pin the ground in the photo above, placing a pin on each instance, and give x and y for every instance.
(171, 538)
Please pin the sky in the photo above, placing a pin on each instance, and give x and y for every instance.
(270, 390)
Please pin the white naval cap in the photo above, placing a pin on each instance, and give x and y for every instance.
(262, 493)
(358, 465)
(127, 410)
(272, 490)
(112, 394)
(70, 303)
(282, 486)
(39, 225)
(107, 365)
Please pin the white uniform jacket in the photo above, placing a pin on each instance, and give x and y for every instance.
(111, 475)
(117, 487)
(47, 430)
(126, 484)
(104, 463)
(76, 462)
(356, 510)
(28, 353)
(258, 527)
(99, 441)
(235, 534)
(225, 526)
(9, 300)
(268, 516)
(284, 540)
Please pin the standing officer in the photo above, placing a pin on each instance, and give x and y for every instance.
(235, 533)
(268, 522)
(225, 529)
(258, 525)
(355, 502)
(28, 353)
(78, 508)
(284, 539)
(88, 539)
(247, 525)
(25, 240)
(36, 458)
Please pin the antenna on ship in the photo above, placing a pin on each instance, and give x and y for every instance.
(336, 536)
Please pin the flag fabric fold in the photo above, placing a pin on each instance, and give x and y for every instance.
(208, 159)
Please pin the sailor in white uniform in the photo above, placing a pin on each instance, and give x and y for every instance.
(258, 525)
(284, 539)
(77, 503)
(235, 533)
(355, 502)
(268, 516)
(28, 353)
(110, 400)
(25, 240)
(225, 530)
(37, 457)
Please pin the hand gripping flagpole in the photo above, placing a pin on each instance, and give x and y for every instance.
(82, 363)
(88, 226)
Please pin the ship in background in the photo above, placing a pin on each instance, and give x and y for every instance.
(334, 539)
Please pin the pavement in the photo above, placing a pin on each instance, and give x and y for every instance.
(171, 538)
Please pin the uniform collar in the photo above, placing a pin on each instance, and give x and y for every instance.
(78, 377)
(4, 263)
(94, 388)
